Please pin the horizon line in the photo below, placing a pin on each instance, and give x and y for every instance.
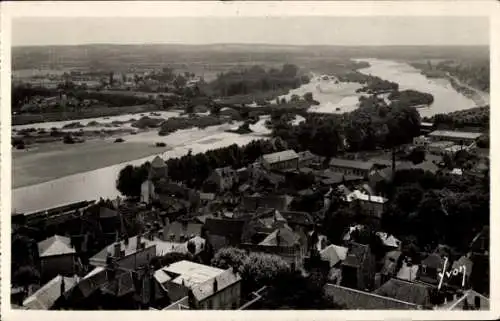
(248, 44)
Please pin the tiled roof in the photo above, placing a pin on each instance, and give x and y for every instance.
(300, 218)
(105, 212)
(287, 237)
(280, 156)
(177, 229)
(359, 300)
(46, 296)
(228, 170)
(224, 227)
(198, 277)
(206, 289)
(454, 134)
(55, 245)
(333, 254)
(416, 293)
(158, 162)
(122, 285)
(468, 296)
(354, 164)
(433, 261)
(129, 249)
(356, 255)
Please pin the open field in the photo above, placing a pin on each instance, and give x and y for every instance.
(36, 165)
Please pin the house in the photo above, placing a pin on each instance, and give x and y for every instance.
(253, 202)
(180, 231)
(358, 269)
(158, 169)
(390, 266)
(469, 300)
(389, 240)
(333, 254)
(224, 178)
(351, 167)
(130, 253)
(353, 299)
(380, 175)
(197, 286)
(306, 158)
(408, 271)
(287, 159)
(223, 232)
(430, 267)
(46, 297)
(57, 256)
(426, 127)
(416, 293)
(148, 193)
(290, 245)
(371, 205)
(438, 147)
(421, 141)
(463, 138)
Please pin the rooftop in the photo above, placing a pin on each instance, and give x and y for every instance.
(158, 162)
(47, 295)
(333, 254)
(415, 293)
(356, 255)
(358, 195)
(196, 276)
(347, 163)
(55, 245)
(285, 236)
(455, 134)
(280, 156)
(356, 299)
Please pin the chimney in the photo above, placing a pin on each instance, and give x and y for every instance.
(278, 238)
(63, 286)
(166, 227)
(393, 161)
(215, 285)
(139, 237)
(117, 249)
(477, 302)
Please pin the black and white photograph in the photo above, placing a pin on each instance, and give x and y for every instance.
(246, 162)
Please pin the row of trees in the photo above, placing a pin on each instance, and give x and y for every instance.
(474, 117)
(195, 169)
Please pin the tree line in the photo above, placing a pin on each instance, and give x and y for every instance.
(257, 79)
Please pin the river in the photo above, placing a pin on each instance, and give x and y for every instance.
(101, 182)
(446, 98)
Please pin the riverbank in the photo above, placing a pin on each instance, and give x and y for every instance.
(38, 164)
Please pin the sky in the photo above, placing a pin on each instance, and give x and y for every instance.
(346, 31)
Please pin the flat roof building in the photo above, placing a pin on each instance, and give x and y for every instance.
(454, 136)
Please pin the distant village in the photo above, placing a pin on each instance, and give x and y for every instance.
(166, 250)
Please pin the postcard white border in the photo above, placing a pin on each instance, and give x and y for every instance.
(237, 9)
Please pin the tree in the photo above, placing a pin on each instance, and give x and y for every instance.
(131, 178)
(229, 257)
(308, 97)
(417, 155)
